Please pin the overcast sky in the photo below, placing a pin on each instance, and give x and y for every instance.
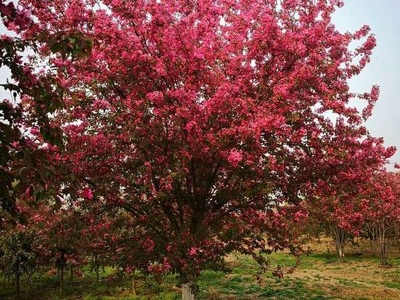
(383, 16)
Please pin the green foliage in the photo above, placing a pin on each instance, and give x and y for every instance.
(75, 45)
(17, 256)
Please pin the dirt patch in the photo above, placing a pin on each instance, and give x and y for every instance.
(356, 278)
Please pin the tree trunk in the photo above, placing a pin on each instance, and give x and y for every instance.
(188, 291)
(71, 274)
(97, 268)
(17, 285)
(383, 255)
(61, 271)
(339, 235)
(133, 286)
(340, 251)
(382, 247)
(97, 274)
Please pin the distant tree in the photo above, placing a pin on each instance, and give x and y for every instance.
(335, 205)
(381, 210)
(17, 256)
(58, 237)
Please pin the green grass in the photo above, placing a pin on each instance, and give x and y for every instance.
(321, 279)
(292, 289)
(348, 282)
(393, 284)
(243, 283)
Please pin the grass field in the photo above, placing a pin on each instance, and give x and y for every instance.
(319, 276)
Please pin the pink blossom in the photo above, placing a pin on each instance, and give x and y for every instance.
(192, 251)
(160, 69)
(156, 97)
(87, 193)
(235, 157)
(34, 131)
(148, 245)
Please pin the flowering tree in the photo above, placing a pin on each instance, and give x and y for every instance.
(381, 210)
(26, 138)
(335, 203)
(18, 255)
(57, 238)
(207, 121)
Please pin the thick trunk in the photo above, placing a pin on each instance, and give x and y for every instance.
(188, 291)
(383, 254)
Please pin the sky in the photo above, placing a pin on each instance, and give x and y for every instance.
(383, 16)
(384, 69)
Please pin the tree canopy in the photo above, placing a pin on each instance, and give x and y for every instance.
(209, 122)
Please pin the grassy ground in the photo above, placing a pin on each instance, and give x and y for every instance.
(319, 276)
